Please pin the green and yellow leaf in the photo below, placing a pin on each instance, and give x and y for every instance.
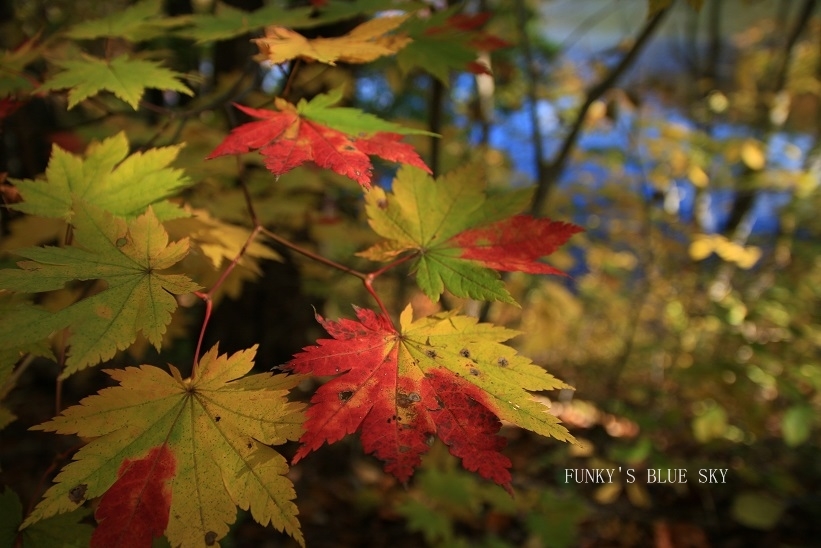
(128, 256)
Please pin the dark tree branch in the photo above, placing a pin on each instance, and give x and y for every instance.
(435, 108)
(532, 73)
(801, 22)
(550, 174)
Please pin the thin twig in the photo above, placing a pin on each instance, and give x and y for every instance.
(208, 296)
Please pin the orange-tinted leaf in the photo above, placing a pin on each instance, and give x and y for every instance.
(516, 244)
(365, 43)
(135, 509)
(445, 376)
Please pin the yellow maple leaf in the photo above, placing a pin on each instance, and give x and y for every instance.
(216, 428)
(365, 43)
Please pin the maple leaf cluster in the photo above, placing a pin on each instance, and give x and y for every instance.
(174, 456)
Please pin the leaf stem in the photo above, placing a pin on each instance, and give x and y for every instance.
(367, 278)
(311, 255)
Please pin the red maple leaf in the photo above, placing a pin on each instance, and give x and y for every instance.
(516, 244)
(135, 509)
(287, 140)
(401, 389)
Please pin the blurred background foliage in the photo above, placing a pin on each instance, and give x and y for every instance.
(690, 323)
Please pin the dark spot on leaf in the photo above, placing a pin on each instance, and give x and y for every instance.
(217, 418)
(121, 241)
(210, 538)
(429, 439)
(404, 448)
(502, 362)
(77, 493)
(474, 371)
(430, 353)
(405, 400)
(349, 147)
(389, 421)
(250, 445)
(345, 395)
(465, 353)
(382, 204)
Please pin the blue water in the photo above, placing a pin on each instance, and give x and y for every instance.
(512, 133)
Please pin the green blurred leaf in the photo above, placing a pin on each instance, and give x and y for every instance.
(434, 526)
(142, 21)
(797, 424)
(757, 510)
(60, 531)
(11, 515)
(229, 22)
(555, 520)
(711, 424)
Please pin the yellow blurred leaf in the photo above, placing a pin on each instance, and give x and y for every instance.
(701, 247)
(607, 493)
(698, 177)
(638, 495)
(748, 257)
(678, 162)
(220, 241)
(752, 154)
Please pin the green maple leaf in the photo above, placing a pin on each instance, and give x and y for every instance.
(142, 21)
(209, 433)
(13, 63)
(229, 22)
(422, 215)
(444, 42)
(128, 256)
(107, 178)
(125, 77)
